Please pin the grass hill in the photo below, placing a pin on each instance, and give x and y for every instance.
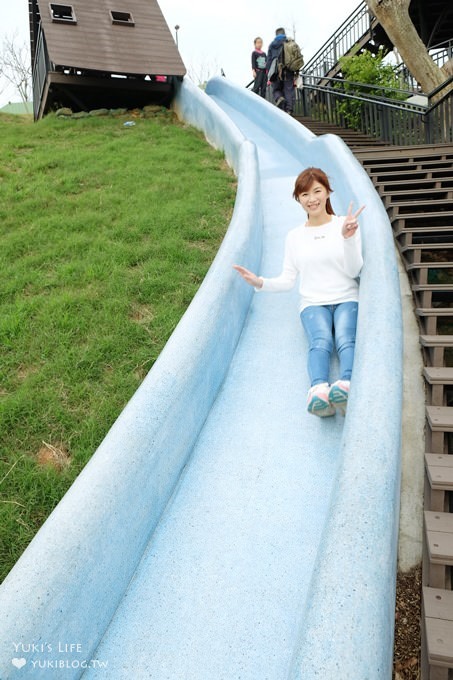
(106, 232)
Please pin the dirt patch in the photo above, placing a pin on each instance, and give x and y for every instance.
(204, 246)
(53, 455)
(406, 660)
(24, 371)
(142, 314)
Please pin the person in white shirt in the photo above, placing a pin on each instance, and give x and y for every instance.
(326, 253)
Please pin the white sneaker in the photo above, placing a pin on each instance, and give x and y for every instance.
(338, 395)
(318, 401)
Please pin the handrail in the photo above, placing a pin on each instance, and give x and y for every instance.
(437, 46)
(333, 38)
(369, 86)
(392, 121)
(390, 103)
(441, 87)
(344, 38)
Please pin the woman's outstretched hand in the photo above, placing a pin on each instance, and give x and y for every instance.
(251, 278)
(350, 224)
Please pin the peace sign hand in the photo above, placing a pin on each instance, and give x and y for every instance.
(350, 224)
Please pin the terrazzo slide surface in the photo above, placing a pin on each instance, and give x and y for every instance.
(270, 552)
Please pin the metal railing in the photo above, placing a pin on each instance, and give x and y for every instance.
(382, 117)
(440, 54)
(40, 69)
(439, 127)
(354, 32)
(358, 24)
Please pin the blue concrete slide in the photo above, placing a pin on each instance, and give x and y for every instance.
(220, 532)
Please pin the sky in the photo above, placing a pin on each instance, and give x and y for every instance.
(215, 35)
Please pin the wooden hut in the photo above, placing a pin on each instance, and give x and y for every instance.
(101, 53)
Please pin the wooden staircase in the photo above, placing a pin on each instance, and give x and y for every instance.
(352, 138)
(416, 187)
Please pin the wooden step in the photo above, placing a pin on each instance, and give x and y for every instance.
(412, 153)
(438, 480)
(398, 183)
(429, 315)
(400, 228)
(420, 201)
(440, 418)
(439, 470)
(438, 553)
(438, 603)
(409, 164)
(420, 271)
(440, 522)
(422, 253)
(433, 288)
(425, 246)
(434, 347)
(424, 294)
(445, 215)
(410, 174)
(436, 340)
(437, 375)
(418, 150)
(434, 311)
(440, 421)
(441, 192)
(437, 378)
(430, 265)
(440, 547)
(438, 627)
(415, 184)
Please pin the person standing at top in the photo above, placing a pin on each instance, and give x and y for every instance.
(281, 77)
(259, 68)
(325, 252)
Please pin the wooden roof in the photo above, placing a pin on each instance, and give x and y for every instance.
(95, 43)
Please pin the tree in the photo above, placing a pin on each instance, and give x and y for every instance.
(394, 17)
(15, 66)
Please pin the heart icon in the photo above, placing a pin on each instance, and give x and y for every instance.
(19, 662)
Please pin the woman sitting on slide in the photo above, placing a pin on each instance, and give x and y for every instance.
(326, 253)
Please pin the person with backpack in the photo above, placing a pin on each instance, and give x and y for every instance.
(259, 68)
(284, 61)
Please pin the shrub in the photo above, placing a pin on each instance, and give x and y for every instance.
(360, 71)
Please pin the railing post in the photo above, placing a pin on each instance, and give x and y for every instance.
(427, 125)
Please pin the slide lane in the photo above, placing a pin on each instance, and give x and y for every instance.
(270, 551)
(225, 578)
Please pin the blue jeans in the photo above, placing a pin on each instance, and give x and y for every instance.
(324, 326)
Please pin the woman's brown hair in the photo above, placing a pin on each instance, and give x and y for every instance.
(306, 178)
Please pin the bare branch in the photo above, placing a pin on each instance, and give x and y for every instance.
(202, 71)
(15, 66)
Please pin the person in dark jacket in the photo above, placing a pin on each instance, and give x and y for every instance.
(283, 85)
(259, 68)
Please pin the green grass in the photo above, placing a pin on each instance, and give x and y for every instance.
(105, 235)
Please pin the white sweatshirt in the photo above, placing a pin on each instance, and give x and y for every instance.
(327, 263)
